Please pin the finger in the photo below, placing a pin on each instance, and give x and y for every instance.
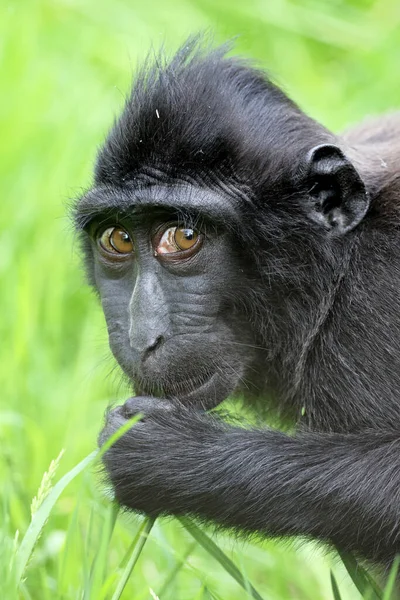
(146, 405)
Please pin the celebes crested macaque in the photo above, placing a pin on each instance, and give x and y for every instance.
(239, 247)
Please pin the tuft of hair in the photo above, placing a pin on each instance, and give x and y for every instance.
(203, 115)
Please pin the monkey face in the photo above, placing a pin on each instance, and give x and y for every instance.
(172, 287)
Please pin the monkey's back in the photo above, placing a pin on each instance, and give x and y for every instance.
(384, 129)
(374, 146)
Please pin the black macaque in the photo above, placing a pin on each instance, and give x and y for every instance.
(239, 247)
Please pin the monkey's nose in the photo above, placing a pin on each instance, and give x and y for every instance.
(152, 347)
(148, 346)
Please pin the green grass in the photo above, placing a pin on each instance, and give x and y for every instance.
(65, 68)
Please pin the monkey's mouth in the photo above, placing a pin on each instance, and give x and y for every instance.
(201, 394)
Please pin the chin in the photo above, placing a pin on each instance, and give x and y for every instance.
(205, 396)
(208, 395)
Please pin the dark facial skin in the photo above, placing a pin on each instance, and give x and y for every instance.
(175, 320)
(290, 294)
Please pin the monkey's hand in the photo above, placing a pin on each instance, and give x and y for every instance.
(180, 461)
(163, 464)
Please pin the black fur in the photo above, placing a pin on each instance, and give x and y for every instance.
(293, 299)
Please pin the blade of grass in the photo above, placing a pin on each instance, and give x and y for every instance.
(171, 576)
(201, 593)
(212, 548)
(361, 579)
(138, 545)
(99, 565)
(88, 544)
(42, 514)
(391, 581)
(244, 573)
(96, 584)
(335, 588)
(62, 578)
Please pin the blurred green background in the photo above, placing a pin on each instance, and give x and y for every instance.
(65, 69)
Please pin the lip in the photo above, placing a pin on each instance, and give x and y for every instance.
(206, 396)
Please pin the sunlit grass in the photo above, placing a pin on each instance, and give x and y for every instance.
(99, 582)
(66, 65)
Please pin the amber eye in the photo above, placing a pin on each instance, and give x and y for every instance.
(178, 239)
(116, 241)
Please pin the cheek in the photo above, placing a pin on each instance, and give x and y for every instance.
(116, 316)
(115, 304)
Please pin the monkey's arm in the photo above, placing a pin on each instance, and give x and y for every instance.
(343, 489)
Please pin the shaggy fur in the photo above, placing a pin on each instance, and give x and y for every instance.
(307, 314)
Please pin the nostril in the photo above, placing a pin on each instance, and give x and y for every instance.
(153, 347)
(158, 342)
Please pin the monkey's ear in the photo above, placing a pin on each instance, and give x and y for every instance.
(339, 198)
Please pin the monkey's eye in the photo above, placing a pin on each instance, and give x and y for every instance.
(116, 240)
(182, 240)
